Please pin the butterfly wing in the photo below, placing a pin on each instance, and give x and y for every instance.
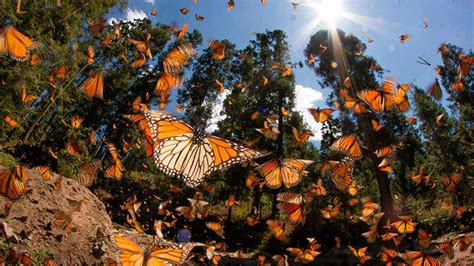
(13, 182)
(292, 171)
(177, 58)
(93, 86)
(15, 43)
(348, 145)
(272, 172)
(130, 254)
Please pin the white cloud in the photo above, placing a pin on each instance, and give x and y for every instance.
(307, 97)
(128, 15)
(150, 1)
(216, 112)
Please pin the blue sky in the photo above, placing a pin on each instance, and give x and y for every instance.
(382, 20)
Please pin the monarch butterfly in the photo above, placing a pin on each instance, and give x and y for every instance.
(143, 46)
(217, 227)
(388, 236)
(63, 221)
(27, 98)
(72, 148)
(106, 40)
(44, 171)
(371, 235)
(276, 229)
(311, 59)
(16, 44)
(318, 189)
(286, 71)
(304, 256)
(424, 238)
(177, 58)
(230, 5)
(287, 171)
(76, 121)
(218, 49)
(221, 86)
(447, 248)
(154, 11)
(34, 60)
(96, 26)
(402, 89)
(387, 151)
(385, 166)
(411, 120)
(93, 86)
(462, 242)
(230, 202)
(133, 254)
(87, 174)
(143, 125)
(184, 10)
(332, 210)
(439, 120)
(139, 62)
(90, 54)
(264, 80)
(166, 82)
(115, 170)
(10, 121)
(404, 225)
(434, 90)
(348, 145)
(360, 254)
(302, 138)
(352, 104)
(369, 207)
(199, 17)
(13, 181)
(452, 181)
(404, 37)
(464, 65)
(195, 210)
(189, 155)
(268, 131)
(376, 126)
(402, 103)
(387, 255)
(381, 100)
(57, 75)
(420, 259)
(320, 115)
(291, 204)
(457, 86)
(182, 32)
(264, 2)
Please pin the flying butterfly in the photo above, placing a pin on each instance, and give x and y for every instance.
(434, 90)
(418, 258)
(16, 44)
(288, 172)
(268, 131)
(184, 10)
(452, 181)
(291, 204)
(404, 37)
(25, 97)
(350, 103)
(380, 100)
(192, 156)
(132, 254)
(13, 181)
(404, 225)
(199, 17)
(93, 86)
(320, 115)
(276, 229)
(217, 227)
(348, 145)
(176, 59)
(360, 254)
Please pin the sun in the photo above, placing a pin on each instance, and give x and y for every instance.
(329, 11)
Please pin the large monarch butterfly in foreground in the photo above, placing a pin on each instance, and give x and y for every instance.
(13, 181)
(191, 156)
(15, 43)
(132, 254)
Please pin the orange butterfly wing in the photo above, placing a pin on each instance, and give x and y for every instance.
(13, 182)
(15, 43)
(93, 86)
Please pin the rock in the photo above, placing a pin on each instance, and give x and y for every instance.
(63, 221)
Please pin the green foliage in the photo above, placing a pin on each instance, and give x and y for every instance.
(39, 255)
(7, 160)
